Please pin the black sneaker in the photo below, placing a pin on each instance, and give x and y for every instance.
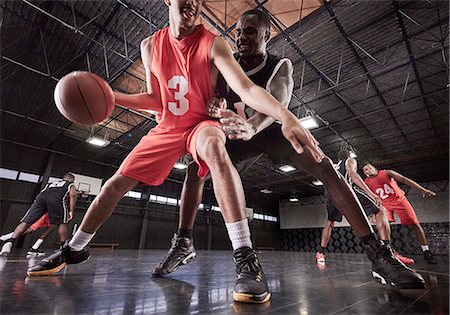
(55, 262)
(180, 253)
(429, 257)
(388, 270)
(35, 252)
(251, 285)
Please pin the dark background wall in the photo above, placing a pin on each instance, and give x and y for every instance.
(301, 225)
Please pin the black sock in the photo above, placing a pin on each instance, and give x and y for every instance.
(185, 233)
(368, 239)
(386, 242)
(321, 249)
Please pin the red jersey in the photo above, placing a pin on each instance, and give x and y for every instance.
(182, 68)
(385, 187)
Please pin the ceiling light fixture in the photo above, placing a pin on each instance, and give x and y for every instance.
(287, 168)
(180, 166)
(317, 183)
(97, 141)
(309, 122)
(293, 197)
(266, 191)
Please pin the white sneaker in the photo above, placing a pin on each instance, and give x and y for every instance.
(6, 249)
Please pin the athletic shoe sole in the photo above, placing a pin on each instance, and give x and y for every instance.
(251, 298)
(52, 271)
(382, 280)
(185, 261)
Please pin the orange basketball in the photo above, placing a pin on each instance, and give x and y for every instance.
(84, 98)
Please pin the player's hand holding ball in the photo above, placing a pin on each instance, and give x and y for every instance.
(84, 98)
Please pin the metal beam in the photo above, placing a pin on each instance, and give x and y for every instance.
(401, 24)
(351, 45)
(321, 75)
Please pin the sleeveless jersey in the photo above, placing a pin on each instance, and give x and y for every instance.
(182, 68)
(385, 187)
(57, 190)
(340, 167)
(262, 75)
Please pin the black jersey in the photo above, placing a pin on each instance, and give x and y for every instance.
(262, 75)
(57, 190)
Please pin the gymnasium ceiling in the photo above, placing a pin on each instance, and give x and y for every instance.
(374, 74)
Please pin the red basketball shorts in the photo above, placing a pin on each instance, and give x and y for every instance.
(403, 209)
(151, 161)
(42, 222)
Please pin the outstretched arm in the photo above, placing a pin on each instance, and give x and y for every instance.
(407, 181)
(261, 100)
(351, 167)
(151, 99)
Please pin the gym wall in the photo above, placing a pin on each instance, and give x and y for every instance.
(301, 224)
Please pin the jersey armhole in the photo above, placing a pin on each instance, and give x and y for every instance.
(275, 71)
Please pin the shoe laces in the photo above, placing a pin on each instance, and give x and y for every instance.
(388, 256)
(248, 265)
(177, 248)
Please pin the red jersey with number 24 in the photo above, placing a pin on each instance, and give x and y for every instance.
(385, 187)
(182, 68)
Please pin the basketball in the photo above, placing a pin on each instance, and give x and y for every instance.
(84, 98)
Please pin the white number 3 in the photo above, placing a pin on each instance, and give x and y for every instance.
(181, 87)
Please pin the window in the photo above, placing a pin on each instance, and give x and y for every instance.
(8, 174)
(172, 201)
(134, 194)
(28, 177)
(54, 179)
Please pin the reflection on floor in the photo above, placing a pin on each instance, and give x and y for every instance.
(120, 283)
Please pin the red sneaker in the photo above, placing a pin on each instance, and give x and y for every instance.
(403, 259)
(320, 257)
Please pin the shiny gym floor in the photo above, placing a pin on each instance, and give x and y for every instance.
(119, 282)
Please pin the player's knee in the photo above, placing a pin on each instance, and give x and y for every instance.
(112, 189)
(213, 150)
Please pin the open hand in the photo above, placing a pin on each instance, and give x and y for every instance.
(299, 136)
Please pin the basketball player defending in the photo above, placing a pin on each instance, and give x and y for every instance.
(182, 63)
(371, 203)
(42, 222)
(384, 184)
(257, 135)
(59, 200)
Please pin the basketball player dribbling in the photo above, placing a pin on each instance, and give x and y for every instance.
(182, 62)
(259, 134)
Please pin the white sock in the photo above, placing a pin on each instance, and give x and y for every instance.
(38, 243)
(80, 240)
(6, 248)
(425, 247)
(239, 234)
(6, 236)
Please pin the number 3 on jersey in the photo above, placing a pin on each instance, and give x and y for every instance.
(384, 193)
(181, 87)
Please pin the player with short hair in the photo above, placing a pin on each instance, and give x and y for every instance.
(384, 184)
(182, 63)
(258, 135)
(371, 203)
(58, 199)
